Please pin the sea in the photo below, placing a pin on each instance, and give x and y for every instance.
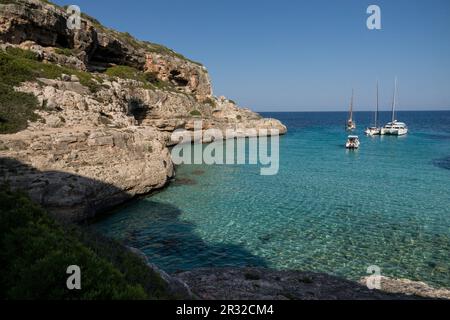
(383, 207)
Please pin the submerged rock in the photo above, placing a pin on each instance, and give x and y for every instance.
(443, 163)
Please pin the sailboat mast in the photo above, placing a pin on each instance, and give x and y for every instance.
(351, 106)
(376, 113)
(394, 101)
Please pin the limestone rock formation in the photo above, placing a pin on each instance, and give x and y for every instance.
(76, 173)
(94, 46)
(107, 106)
(412, 288)
(266, 284)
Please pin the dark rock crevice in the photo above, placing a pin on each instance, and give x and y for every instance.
(138, 110)
(177, 79)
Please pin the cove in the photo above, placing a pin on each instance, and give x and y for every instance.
(327, 210)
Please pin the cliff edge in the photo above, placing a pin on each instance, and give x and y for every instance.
(99, 104)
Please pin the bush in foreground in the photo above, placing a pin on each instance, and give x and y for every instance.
(35, 252)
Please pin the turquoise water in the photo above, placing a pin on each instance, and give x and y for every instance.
(327, 210)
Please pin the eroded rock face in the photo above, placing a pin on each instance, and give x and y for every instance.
(76, 173)
(189, 77)
(121, 103)
(93, 149)
(34, 20)
(94, 46)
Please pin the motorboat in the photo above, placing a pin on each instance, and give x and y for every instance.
(352, 142)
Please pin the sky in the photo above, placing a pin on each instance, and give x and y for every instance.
(295, 55)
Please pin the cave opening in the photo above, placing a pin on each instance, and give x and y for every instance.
(107, 55)
(62, 41)
(138, 110)
(177, 79)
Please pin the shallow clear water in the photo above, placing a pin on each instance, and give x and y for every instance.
(328, 210)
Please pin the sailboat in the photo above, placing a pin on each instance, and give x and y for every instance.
(351, 125)
(394, 128)
(375, 130)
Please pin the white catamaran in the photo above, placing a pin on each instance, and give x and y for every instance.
(394, 127)
(351, 125)
(375, 130)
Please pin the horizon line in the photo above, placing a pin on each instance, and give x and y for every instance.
(371, 111)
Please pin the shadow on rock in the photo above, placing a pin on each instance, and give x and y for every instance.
(67, 196)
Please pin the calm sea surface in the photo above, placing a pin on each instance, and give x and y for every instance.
(327, 210)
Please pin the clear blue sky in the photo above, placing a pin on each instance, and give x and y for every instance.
(300, 55)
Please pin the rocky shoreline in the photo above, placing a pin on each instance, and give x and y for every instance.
(250, 283)
(106, 105)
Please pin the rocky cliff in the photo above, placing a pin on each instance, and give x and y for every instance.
(98, 104)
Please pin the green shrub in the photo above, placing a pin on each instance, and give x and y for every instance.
(20, 53)
(157, 48)
(16, 108)
(64, 51)
(8, 1)
(35, 252)
(15, 69)
(210, 101)
(149, 79)
(125, 72)
(195, 113)
(17, 66)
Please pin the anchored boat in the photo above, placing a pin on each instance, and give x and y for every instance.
(394, 128)
(351, 125)
(352, 142)
(375, 130)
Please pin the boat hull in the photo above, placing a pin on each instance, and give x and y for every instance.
(352, 144)
(373, 131)
(394, 132)
(351, 127)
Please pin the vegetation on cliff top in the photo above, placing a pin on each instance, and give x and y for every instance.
(122, 36)
(125, 72)
(149, 80)
(136, 44)
(17, 66)
(108, 270)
